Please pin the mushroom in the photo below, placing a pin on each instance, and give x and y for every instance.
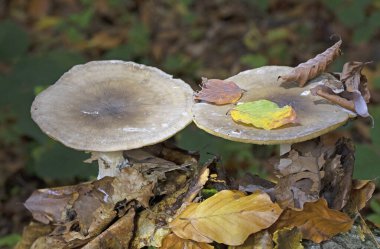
(316, 116)
(106, 107)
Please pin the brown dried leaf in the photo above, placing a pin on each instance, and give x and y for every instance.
(339, 167)
(356, 94)
(228, 217)
(361, 192)
(293, 191)
(316, 221)
(118, 235)
(31, 233)
(172, 241)
(218, 92)
(288, 238)
(300, 175)
(313, 67)
(83, 211)
(197, 184)
(151, 225)
(260, 240)
(356, 85)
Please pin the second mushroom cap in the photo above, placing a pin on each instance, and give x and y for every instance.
(316, 115)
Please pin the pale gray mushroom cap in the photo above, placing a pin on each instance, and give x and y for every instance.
(113, 105)
(316, 115)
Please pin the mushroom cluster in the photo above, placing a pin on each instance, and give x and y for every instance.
(107, 107)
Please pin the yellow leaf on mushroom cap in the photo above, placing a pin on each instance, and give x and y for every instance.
(263, 114)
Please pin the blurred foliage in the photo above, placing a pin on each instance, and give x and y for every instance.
(10, 240)
(42, 39)
(375, 216)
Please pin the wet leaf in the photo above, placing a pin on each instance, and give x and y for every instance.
(316, 221)
(313, 67)
(172, 241)
(288, 238)
(260, 240)
(219, 92)
(228, 217)
(263, 114)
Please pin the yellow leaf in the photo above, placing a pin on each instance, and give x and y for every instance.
(172, 241)
(263, 114)
(182, 228)
(228, 217)
(316, 221)
(288, 238)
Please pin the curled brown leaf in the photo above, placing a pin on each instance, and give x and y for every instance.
(313, 67)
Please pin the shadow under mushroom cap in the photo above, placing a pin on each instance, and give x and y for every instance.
(316, 116)
(113, 105)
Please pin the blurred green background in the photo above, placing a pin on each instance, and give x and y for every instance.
(41, 39)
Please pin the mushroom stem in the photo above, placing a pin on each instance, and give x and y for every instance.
(110, 163)
(285, 148)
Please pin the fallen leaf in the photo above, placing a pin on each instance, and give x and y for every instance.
(227, 217)
(260, 240)
(316, 221)
(183, 227)
(295, 190)
(172, 241)
(263, 114)
(339, 167)
(299, 174)
(356, 84)
(197, 184)
(288, 238)
(356, 94)
(219, 92)
(83, 211)
(361, 192)
(118, 235)
(31, 233)
(313, 67)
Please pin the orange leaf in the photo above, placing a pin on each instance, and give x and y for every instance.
(172, 241)
(316, 221)
(313, 67)
(219, 92)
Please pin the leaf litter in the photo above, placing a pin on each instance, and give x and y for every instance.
(182, 217)
(313, 67)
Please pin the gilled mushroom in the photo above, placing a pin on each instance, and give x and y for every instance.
(106, 107)
(315, 115)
